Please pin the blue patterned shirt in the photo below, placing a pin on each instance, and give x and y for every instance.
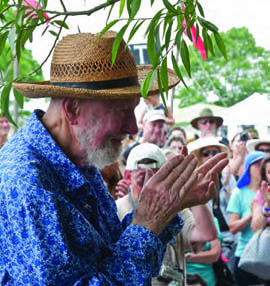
(59, 224)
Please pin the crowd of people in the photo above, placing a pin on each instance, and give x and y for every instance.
(78, 209)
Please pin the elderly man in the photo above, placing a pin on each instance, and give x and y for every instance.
(59, 225)
(4, 130)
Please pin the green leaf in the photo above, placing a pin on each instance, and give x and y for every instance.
(210, 45)
(136, 4)
(12, 38)
(18, 47)
(161, 88)
(107, 28)
(44, 31)
(147, 83)
(157, 37)
(109, 14)
(129, 4)
(210, 26)
(134, 29)
(168, 35)
(3, 39)
(53, 33)
(61, 24)
(200, 9)
(189, 34)
(197, 32)
(221, 45)
(122, 6)
(151, 45)
(178, 38)
(19, 97)
(117, 42)
(169, 7)
(5, 103)
(177, 70)
(5, 97)
(185, 56)
(164, 75)
(153, 22)
(205, 40)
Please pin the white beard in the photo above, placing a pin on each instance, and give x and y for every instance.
(100, 157)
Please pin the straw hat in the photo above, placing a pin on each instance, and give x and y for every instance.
(195, 146)
(206, 112)
(81, 68)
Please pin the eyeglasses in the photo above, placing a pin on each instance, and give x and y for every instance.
(204, 121)
(208, 153)
(264, 150)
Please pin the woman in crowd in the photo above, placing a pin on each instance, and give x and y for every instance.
(261, 201)
(204, 149)
(240, 212)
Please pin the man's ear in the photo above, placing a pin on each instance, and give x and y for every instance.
(71, 107)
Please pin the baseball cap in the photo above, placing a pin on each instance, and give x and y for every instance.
(250, 159)
(153, 115)
(145, 151)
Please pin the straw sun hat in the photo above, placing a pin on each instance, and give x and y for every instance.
(206, 113)
(81, 68)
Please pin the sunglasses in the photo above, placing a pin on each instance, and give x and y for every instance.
(208, 153)
(210, 121)
(264, 150)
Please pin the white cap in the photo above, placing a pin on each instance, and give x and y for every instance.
(145, 151)
(153, 115)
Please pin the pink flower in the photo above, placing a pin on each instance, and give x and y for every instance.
(34, 4)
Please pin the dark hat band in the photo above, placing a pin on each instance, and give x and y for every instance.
(98, 85)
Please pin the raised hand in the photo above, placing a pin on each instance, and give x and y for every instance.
(205, 187)
(122, 189)
(265, 190)
(163, 196)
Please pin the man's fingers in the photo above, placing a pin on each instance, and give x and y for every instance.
(164, 172)
(148, 174)
(184, 151)
(184, 175)
(209, 164)
(217, 169)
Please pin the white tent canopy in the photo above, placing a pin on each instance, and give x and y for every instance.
(254, 110)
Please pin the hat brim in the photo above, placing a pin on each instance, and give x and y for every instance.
(252, 143)
(197, 149)
(44, 89)
(218, 119)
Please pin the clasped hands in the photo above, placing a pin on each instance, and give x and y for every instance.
(176, 186)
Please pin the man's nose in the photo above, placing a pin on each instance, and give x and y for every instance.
(130, 125)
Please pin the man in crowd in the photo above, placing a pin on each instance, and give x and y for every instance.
(154, 130)
(59, 225)
(207, 123)
(4, 130)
